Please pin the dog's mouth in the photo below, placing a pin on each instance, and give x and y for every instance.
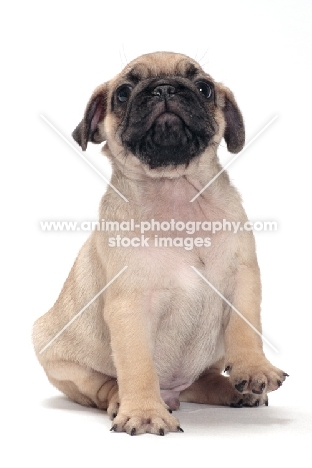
(169, 141)
(169, 131)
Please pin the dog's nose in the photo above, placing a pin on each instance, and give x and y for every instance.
(163, 90)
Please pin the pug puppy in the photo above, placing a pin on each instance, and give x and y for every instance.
(141, 325)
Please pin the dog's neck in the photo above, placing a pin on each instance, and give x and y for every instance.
(200, 170)
(168, 192)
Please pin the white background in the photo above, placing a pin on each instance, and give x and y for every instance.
(53, 55)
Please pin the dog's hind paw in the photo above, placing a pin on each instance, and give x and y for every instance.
(112, 409)
(249, 400)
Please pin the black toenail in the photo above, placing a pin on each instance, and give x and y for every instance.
(161, 432)
(133, 431)
(228, 368)
(179, 429)
(170, 410)
(114, 427)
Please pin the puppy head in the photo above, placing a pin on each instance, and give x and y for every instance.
(161, 111)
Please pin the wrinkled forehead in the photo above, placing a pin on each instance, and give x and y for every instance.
(162, 64)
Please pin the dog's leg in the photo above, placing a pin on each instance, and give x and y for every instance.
(141, 406)
(249, 370)
(84, 385)
(216, 389)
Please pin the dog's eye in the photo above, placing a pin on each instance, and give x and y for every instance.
(123, 93)
(204, 88)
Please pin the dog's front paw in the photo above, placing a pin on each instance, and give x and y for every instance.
(256, 378)
(154, 418)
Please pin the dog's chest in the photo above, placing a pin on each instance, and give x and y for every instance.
(186, 314)
(189, 330)
(186, 317)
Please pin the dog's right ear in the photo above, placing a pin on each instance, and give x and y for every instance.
(91, 128)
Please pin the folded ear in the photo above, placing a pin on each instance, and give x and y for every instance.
(234, 133)
(90, 128)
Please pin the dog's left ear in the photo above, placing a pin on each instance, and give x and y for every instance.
(90, 128)
(234, 133)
